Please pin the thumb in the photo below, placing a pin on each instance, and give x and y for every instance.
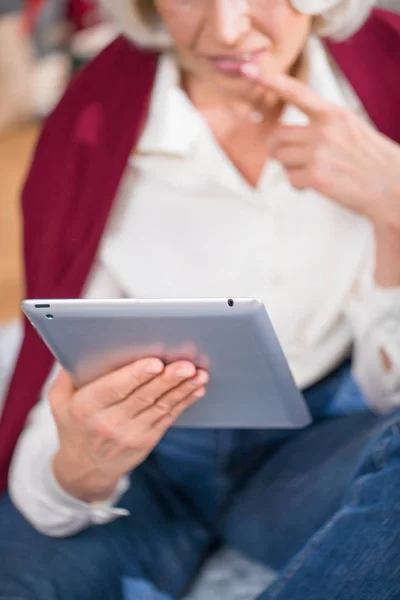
(62, 388)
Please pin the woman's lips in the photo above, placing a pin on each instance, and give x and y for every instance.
(233, 64)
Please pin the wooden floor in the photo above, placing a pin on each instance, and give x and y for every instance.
(15, 153)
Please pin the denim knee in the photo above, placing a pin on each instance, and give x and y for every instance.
(381, 454)
(26, 573)
(36, 567)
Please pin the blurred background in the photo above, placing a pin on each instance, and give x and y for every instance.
(42, 44)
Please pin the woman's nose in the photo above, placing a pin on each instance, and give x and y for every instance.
(229, 20)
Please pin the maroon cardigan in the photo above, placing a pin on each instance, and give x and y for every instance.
(81, 157)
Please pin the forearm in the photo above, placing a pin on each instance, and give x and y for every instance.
(387, 260)
(35, 490)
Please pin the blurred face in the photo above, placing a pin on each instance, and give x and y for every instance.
(215, 38)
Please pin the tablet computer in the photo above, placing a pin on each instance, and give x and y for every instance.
(251, 385)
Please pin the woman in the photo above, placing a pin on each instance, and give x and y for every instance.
(255, 168)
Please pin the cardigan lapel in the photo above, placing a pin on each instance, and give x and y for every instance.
(79, 162)
(370, 60)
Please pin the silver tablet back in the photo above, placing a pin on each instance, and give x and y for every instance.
(251, 385)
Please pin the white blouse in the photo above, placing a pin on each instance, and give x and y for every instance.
(186, 224)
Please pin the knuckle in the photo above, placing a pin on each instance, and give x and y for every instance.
(162, 407)
(143, 400)
(316, 175)
(115, 394)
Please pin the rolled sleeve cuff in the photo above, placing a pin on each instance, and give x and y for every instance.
(63, 515)
(97, 512)
(376, 323)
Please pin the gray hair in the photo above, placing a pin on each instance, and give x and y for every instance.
(138, 19)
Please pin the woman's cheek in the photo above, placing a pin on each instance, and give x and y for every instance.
(287, 29)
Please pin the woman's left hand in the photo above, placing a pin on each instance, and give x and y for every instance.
(337, 153)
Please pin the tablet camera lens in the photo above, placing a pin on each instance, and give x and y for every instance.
(230, 302)
(49, 317)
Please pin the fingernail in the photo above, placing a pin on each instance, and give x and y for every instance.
(200, 379)
(185, 371)
(155, 366)
(251, 70)
(199, 393)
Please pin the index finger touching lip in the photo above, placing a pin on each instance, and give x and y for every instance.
(290, 89)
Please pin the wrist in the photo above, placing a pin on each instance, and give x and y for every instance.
(386, 214)
(387, 263)
(87, 485)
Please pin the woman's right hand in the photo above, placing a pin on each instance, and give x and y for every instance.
(109, 427)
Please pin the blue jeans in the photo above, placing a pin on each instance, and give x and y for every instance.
(321, 506)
